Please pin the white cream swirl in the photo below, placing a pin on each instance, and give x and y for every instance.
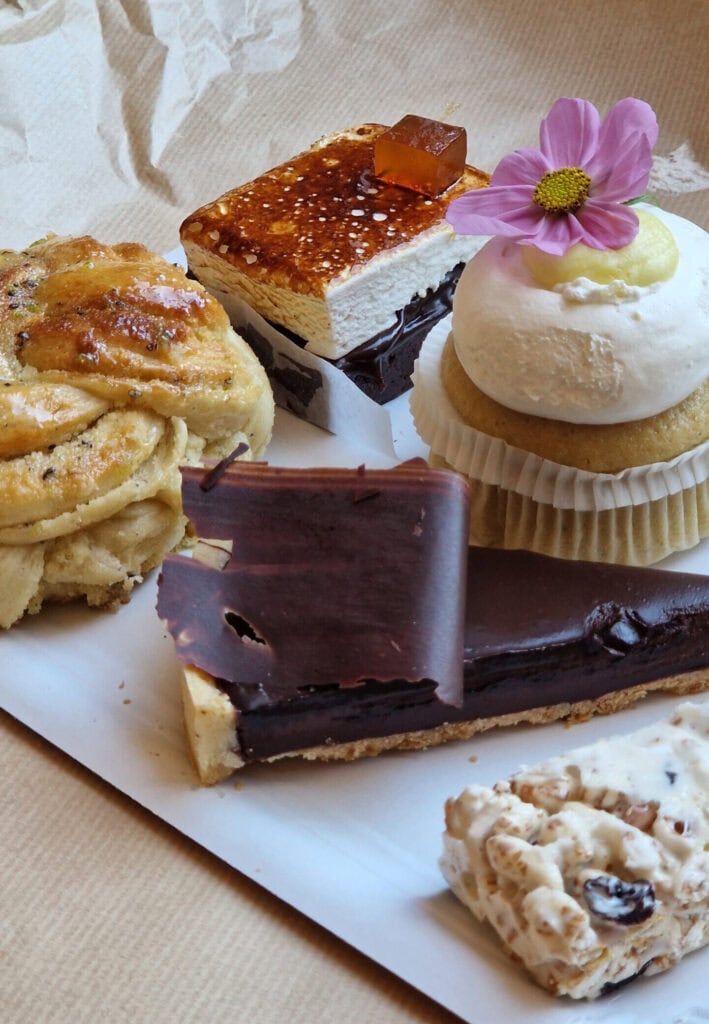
(583, 352)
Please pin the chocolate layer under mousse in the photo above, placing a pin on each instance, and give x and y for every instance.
(381, 367)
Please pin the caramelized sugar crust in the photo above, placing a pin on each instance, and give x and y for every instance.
(320, 216)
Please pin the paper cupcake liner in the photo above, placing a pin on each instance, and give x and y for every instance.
(493, 461)
(631, 535)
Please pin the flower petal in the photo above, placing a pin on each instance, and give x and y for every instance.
(556, 234)
(628, 118)
(626, 176)
(568, 135)
(621, 166)
(606, 225)
(495, 210)
(523, 167)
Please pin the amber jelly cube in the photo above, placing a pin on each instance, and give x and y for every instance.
(421, 154)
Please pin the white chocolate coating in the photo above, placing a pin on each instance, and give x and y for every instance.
(584, 352)
(522, 855)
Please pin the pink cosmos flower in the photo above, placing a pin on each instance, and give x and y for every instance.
(572, 188)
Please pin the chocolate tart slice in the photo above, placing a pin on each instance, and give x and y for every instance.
(334, 614)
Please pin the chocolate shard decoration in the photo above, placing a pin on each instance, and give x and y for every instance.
(341, 608)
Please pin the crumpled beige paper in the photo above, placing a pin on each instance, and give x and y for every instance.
(119, 117)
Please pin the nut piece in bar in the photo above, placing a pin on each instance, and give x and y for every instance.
(352, 269)
(418, 153)
(593, 867)
(329, 612)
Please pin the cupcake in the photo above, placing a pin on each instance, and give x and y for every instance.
(570, 386)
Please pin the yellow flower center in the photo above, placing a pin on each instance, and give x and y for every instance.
(562, 191)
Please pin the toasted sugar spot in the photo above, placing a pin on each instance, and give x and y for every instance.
(194, 227)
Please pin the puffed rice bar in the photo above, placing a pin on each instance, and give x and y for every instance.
(593, 867)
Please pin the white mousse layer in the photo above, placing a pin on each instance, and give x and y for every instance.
(584, 352)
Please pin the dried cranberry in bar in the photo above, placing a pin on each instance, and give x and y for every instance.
(418, 153)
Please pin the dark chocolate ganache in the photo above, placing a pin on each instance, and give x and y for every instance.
(539, 631)
(381, 367)
(542, 631)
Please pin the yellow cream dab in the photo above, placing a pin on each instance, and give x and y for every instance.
(651, 256)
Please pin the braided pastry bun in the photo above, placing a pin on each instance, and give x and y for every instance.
(115, 369)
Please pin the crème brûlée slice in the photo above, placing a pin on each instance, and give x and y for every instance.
(355, 268)
(116, 369)
(593, 866)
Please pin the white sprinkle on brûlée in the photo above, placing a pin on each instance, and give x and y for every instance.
(251, 257)
(223, 249)
(357, 213)
(214, 235)
(194, 227)
(379, 216)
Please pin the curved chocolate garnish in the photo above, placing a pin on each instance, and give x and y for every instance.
(340, 611)
(215, 474)
(617, 629)
(612, 899)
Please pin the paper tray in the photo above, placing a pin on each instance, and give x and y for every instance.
(352, 846)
